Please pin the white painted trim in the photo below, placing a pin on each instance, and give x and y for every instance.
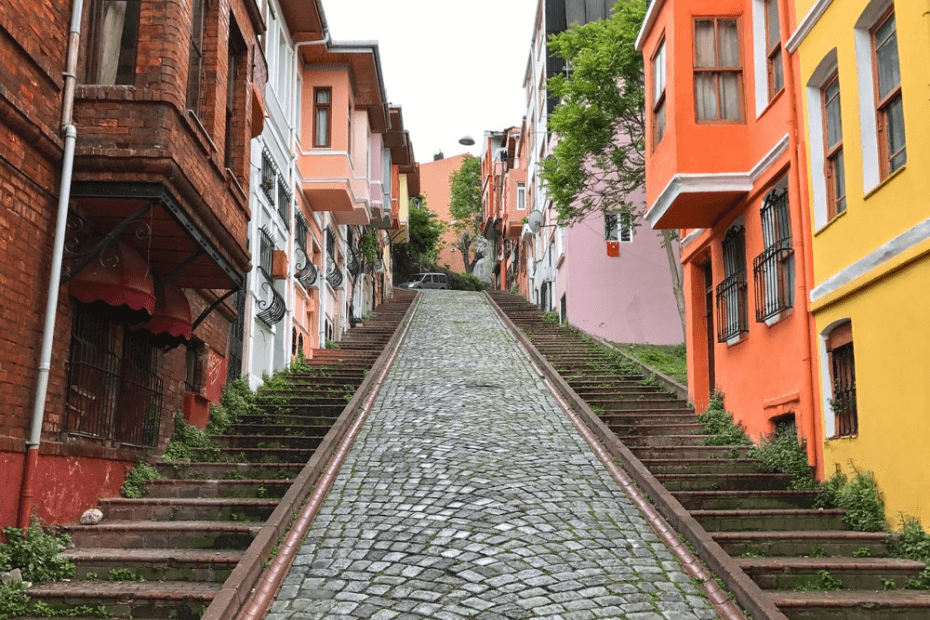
(875, 259)
(868, 120)
(814, 93)
(759, 57)
(648, 22)
(691, 236)
(689, 183)
(768, 160)
(807, 24)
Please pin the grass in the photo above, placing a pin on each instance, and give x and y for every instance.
(668, 359)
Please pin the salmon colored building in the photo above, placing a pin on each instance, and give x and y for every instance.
(434, 186)
(723, 167)
(504, 205)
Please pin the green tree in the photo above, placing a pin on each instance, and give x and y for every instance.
(425, 232)
(465, 208)
(599, 160)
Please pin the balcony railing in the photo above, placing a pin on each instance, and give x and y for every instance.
(352, 263)
(272, 306)
(732, 315)
(284, 202)
(773, 276)
(269, 175)
(333, 274)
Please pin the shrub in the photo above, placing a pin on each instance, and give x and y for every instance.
(914, 544)
(465, 282)
(550, 318)
(862, 500)
(34, 552)
(783, 453)
(719, 428)
(237, 400)
(189, 442)
(14, 602)
(134, 486)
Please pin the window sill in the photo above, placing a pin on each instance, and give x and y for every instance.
(831, 222)
(771, 103)
(841, 437)
(735, 340)
(778, 318)
(888, 179)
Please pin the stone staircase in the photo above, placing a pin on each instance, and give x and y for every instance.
(792, 550)
(167, 555)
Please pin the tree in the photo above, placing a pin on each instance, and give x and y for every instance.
(599, 160)
(465, 208)
(425, 232)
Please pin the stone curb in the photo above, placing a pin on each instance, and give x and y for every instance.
(747, 592)
(238, 587)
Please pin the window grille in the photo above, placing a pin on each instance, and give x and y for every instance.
(307, 272)
(732, 315)
(284, 202)
(271, 304)
(844, 390)
(773, 269)
(269, 174)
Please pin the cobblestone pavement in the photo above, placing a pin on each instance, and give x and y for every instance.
(468, 494)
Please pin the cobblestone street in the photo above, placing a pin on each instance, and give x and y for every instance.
(469, 494)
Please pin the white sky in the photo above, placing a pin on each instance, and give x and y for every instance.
(454, 67)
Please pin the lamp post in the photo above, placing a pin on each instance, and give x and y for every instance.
(467, 140)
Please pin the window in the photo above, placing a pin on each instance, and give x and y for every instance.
(776, 71)
(322, 116)
(618, 227)
(889, 104)
(521, 196)
(834, 162)
(773, 269)
(658, 94)
(718, 75)
(113, 40)
(235, 88)
(732, 316)
(842, 363)
(195, 57)
(113, 390)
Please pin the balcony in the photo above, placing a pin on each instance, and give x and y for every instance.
(697, 200)
(326, 180)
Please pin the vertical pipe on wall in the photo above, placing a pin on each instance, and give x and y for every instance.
(51, 307)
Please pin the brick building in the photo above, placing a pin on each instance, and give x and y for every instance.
(166, 97)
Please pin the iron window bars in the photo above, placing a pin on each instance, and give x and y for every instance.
(306, 273)
(333, 273)
(732, 315)
(773, 269)
(844, 391)
(273, 307)
(269, 175)
(284, 202)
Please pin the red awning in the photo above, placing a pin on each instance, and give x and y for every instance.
(171, 321)
(121, 278)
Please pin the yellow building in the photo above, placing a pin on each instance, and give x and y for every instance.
(865, 87)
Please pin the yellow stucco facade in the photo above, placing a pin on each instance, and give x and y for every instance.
(871, 261)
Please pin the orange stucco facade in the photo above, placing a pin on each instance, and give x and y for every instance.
(434, 186)
(734, 189)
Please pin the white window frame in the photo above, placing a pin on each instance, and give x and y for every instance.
(521, 196)
(827, 68)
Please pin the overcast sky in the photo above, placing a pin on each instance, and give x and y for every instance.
(454, 67)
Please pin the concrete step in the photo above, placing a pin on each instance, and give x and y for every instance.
(800, 573)
(801, 543)
(746, 500)
(660, 466)
(261, 489)
(270, 455)
(854, 605)
(771, 520)
(155, 564)
(643, 440)
(187, 509)
(691, 452)
(129, 599)
(723, 481)
(273, 442)
(289, 427)
(164, 534)
(646, 429)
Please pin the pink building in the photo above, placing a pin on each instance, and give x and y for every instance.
(434, 184)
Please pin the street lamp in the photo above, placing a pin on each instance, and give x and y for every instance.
(467, 140)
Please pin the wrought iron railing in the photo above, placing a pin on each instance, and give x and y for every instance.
(732, 315)
(284, 202)
(266, 252)
(272, 307)
(773, 277)
(308, 273)
(269, 175)
(333, 274)
(844, 391)
(352, 263)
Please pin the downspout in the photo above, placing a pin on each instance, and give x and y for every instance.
(27, 490)
(802, 258)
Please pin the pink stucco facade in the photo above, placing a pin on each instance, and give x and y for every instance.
(627, 298)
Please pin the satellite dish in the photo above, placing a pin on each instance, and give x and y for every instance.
(534, 221)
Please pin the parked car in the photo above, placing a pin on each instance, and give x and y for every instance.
(427, 280)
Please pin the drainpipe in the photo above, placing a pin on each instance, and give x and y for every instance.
(802, 258)
(64, 196)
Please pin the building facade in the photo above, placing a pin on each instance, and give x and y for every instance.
(125, 206)
(719, 79)
(866, 119)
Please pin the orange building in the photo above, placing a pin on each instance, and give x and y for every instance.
(434, 186)
(504, 205)
(723, 167)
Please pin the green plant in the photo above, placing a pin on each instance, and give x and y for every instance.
(862, 500)
(828, 494)
(823, 582)
(14, 601)
(550, 318)
(42, 609)
(368, 246)
(189, 442)
(670, 360)
(817, 552)
(124, 574)
(888, 584)
(90, 576)
(134, 486)
(783, 453)
(34, 551)
(237, 400)
(862, 552)
(330, 344)
(719, 427)
(914, 544)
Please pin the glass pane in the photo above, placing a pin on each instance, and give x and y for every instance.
(705, 95)
(658, 74)
(660, 122)
(109, 43)
(728, 45)
(322, 128)
(839, 181)
(886, 50)
(834, 121)
(704, 54)
(778, 73)
(895, 122)
(773, 35)
(729, 96)
(322, 96)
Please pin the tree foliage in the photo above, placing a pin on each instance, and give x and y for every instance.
(465, 208)
(425, 232)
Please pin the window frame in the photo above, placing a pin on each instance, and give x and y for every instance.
(326, 107)
(194, 92)
(833, 152)
(732, 292)
(882, 104)
(773, 49)
(717, 69)
(521, 196)
(659, 108)
(840, 338)
(95, 45)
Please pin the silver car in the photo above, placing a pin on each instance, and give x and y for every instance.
(428, 280)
